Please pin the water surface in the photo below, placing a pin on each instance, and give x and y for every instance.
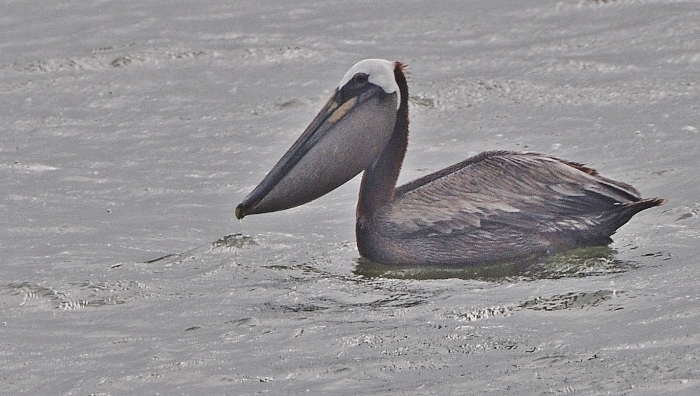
(132, 130)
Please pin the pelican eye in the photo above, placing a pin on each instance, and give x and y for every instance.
(360, 78)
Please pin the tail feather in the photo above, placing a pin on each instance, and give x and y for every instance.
(621, 216)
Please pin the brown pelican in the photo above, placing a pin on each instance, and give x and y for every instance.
(497, 206)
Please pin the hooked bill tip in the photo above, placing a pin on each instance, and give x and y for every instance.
(239, 212)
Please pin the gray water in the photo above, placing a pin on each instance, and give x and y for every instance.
(131, 130)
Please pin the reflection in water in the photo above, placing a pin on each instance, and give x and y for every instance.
(582, 262)
(233, 241)
(589, 261)
(573, 300)
(74, 295)
(230, 242)
(487, 272)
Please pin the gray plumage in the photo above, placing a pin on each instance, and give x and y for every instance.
(497, 206)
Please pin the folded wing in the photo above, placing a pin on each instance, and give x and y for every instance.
(507, 192)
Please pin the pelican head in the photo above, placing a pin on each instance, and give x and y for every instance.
(346, 137)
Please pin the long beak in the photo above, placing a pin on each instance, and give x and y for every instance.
(346, 136)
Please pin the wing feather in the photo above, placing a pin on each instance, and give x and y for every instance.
(520, 190)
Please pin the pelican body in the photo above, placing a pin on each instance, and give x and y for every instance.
(497, 206)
